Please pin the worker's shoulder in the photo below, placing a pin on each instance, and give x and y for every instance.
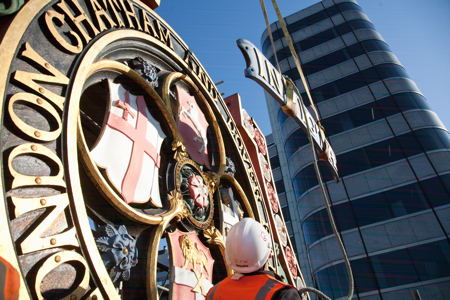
(286, 293)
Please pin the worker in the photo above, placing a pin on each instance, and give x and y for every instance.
(247, 250)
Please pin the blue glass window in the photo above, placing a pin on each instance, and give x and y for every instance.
(281, 117)
(274, 162)
(353, 81)
(435, 191)
(280, 186)
(371, 209)
(365, 279)
(431, 260)
(371, 156)
(310, 20)
(394, 268)
(353, 162)
(379, 207)
(344, 216)
(321, 37)
(434, 139)
(295, 141)
(376, 110)
(423, 262)
(405, 200)
(286, 214)
(316, 226)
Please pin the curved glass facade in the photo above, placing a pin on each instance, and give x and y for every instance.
(310, 20)
(379, 207)
(375, 155)
(358, 116)
(405, 266)
(392, 204)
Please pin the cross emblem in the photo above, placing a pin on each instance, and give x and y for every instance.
(137, 135)
(126, 109)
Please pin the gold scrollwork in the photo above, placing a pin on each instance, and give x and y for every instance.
(179, 150)
(214, 237)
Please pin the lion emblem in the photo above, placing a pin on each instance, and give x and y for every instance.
(197, 258)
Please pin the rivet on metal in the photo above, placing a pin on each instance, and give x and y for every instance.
(33, 147)
(37, 134)
(57, 258)
(47, 65)
(39, 100)
(38, 180)
(41, 90)
(53, 241)
(43, 202)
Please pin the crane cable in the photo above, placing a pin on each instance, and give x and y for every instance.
(269, 32)
(315, 161)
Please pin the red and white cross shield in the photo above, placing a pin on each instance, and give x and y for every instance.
(192, 267)
(129, 147)
(193, 127)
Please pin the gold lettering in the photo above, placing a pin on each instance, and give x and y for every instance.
(100, 15)
(29, 79)
(51, 17)
(36, 240)
(245, 157)
(128, 8)
(299, 110)
(164, 34)
(79, 20)
(148, 25)
(202, 76)
(55, 260)
(114, 6)
(274, 77)
(262, 70)
(22, 180)
(29, 130)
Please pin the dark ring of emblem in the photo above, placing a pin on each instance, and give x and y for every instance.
(197, 191)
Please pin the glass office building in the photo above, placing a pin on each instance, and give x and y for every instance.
(392, 204)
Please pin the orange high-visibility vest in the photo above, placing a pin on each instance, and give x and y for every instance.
(9, 281)
(257, 287)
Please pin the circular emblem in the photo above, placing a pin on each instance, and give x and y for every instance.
(197, 192)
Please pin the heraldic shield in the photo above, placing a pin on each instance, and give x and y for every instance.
(193, 127)
(136, 137)
(192, 266)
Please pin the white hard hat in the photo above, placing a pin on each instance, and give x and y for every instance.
(248, 246)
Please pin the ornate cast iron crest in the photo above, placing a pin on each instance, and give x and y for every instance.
(108, 118)
(118, 250)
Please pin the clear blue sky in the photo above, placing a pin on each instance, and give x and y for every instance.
(416, 30)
